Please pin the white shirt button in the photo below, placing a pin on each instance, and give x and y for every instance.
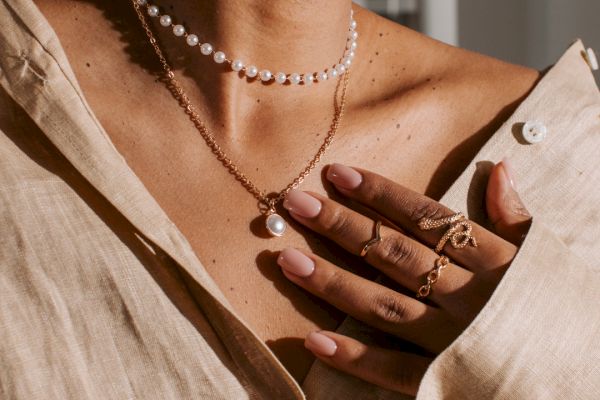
(591, 59)
(534, 132)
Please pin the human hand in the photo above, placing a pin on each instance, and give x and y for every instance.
(405, 254)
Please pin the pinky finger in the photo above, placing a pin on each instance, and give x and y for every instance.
(393, 370)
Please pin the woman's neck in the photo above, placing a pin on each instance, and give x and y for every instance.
(279, 35)
(286, 35)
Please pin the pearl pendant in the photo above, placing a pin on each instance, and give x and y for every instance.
(275, 224)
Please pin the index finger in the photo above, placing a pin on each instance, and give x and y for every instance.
(406, 208)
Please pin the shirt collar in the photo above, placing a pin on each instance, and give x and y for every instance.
(35, 72)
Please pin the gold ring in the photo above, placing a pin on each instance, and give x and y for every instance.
(458, 233)
(433, 276)
(376, 239)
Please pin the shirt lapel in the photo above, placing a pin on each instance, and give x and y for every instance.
(35, 72)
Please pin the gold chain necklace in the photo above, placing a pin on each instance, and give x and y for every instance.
(274, 223)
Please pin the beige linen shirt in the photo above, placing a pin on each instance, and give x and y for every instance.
(102, 297)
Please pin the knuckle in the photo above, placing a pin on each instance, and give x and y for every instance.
(398, 251)
(382, 193)
(426, 209)
(333, 286)
(388, 309)
(338, 224)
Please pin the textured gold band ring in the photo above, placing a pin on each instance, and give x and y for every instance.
(376, 239)
(458, 233)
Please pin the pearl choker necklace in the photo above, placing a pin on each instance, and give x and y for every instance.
(251, 71)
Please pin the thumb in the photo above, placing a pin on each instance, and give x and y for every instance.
(504, 206)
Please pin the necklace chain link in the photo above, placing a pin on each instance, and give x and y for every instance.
(269, 201)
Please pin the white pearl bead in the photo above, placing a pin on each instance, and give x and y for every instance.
(280, 77)
(153, 11)
(237, 65)
(275, 224)
(353, 35)
(347, 62)
(295, 78)
(251, 71)
(265, 75)
(321, 76)
(353, 45)
(206, 48)
(308, 78)
(142, 2)
(331, 73)
(340, 68)
(219, 57)
(192, 40)
(165, 20)
(350, 54)
(178, 30)
(353, 24)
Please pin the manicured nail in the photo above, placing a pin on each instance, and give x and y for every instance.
(510, 172)
(343, 176)
(295, 262)
(320, 344)
(302, 204)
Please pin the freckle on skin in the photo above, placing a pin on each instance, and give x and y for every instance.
(373, 80)
(380, 34)
(376, 53)
(258, 100)
(397, 126)
(370, 61)
(214, 261)
(408, 138)
(87, 64)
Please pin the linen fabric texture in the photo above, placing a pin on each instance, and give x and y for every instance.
(102, 297)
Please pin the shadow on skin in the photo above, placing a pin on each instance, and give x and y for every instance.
(462, 155)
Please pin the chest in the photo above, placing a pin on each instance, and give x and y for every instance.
(220, 218)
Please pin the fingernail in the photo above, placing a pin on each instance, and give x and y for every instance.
(320, 344)
(510, 172)
(295, 262)
(302, 203)
(343, 176)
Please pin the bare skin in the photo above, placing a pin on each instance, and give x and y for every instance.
(417, 112)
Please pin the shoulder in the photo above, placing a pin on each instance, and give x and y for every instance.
(398, 59)
(450, 99)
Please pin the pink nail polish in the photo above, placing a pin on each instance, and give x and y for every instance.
(295, 262)
(302, 203)
(343, 176)
(320, 344)
(510, 172)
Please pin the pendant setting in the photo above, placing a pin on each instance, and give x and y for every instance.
(275, 224)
